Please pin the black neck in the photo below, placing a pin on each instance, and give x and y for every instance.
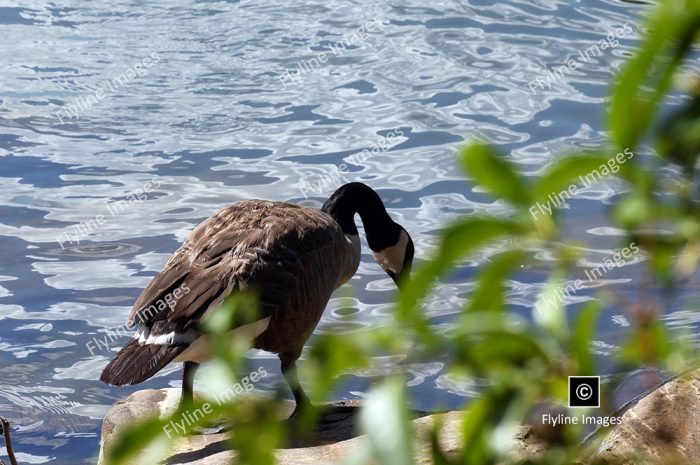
(381, 230)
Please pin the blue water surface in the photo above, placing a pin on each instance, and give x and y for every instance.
(124, 124)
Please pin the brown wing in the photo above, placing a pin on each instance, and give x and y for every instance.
(258, 244)
(291, 255)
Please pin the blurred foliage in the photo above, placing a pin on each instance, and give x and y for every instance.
(523, 362)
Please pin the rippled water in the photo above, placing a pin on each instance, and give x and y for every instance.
(178, 109)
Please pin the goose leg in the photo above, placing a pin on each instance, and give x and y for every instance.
(289, 370)
(187, 399)
(188, 372)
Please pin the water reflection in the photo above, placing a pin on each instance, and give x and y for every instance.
(211, 123)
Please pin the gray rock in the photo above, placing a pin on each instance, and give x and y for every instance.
(663, 426)
(337, 439)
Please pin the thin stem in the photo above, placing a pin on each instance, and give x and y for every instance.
(8, 442)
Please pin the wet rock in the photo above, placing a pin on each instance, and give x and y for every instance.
(148, 403)
(663, 426)
(335, 440)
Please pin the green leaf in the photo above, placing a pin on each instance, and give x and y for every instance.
(489, 294)
(475, 426)
(561, 176)
(549, 311)
(648, 76)
(135, 440)
(491, 171)
(386, 424)
(457, 242)
(647, 344)
(488, 342)
(583, 333)
(678, 140)
(331, 356)
(437, 455)
(489, 424)
(633, 211)
(498, 351)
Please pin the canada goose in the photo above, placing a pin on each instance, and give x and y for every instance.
(294, 256)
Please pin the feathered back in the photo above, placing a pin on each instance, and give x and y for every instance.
(292, 255)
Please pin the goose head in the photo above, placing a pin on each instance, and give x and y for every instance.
(391, 245)
(394, 253)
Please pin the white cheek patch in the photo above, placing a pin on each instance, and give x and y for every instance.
(392, 258)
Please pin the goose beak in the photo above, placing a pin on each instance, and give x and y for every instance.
(400, 279)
